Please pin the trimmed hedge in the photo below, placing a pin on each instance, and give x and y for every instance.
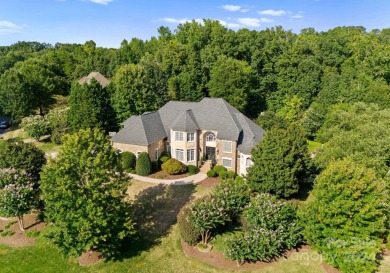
(165, 153)
(128, 160)
(211, 173)
(223, 174)
(218, 169)
(231, 174)
(192, 169)
(173, 166)
(143, 166)
(187, 231)
(164, 159)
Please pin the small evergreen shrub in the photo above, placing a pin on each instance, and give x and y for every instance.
(164, 159)
(56, 136)
(7, 233)
(165, 153)
(211, 173)
(187, 231)
(231, 174)
(219, 168)
(223, 174)
(192, 169)
(173, 166)
(128, 160)
(155, 166)
(143, 166)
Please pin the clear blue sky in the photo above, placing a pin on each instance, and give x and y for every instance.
(108, 22)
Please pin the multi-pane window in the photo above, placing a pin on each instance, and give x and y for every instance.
(180, 154)
(190, 155)
(226, 146)
(156, 154)
(210, 137)
(227, 162)
(179, 136)
(190, 137)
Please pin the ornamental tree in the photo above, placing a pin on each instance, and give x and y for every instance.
(84, 194)
(17, 194)
(207, 213)
(36, 126)
(346, 219)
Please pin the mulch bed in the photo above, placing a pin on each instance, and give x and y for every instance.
(19, 238)
(217, 259)
(89, 258)
(209, 182)
(164, 175)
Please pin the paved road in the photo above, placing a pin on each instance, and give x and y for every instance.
(193, 179)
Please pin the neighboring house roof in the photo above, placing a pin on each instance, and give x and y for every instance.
(141, 130)
(95, 75)
(208, 114)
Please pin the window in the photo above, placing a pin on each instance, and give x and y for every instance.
(190, 137)
(156, 154)
(180, 154)
(190, 155)
(249, 162)
(179, 136)
(226, 146)
(168, 148)
(210, 137)
(227, 162)
(119, 151)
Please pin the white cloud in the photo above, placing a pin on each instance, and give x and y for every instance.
(231, 7)
(222, 22)
(101, 2)
(266, 20)
(234, 25)
(298, 15)
(272, 12)
(181, 21)
(244, 10)
(250, 22)
(9, 27)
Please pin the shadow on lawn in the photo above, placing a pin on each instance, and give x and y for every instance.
(155, 211)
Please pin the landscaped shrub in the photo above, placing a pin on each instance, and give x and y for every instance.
(231, 174)
(273, 229)
(128, 160)
(164, 159)
(143, 166)
(155, 166)
(211, 173)
(165, 153)
(192, 169)
(187, 231)
(223, 174)
(173, 166)
(235, 195)
(207, 214)
(219, 168)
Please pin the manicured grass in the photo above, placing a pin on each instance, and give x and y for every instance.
(156, 210)
(219, 241)
(313, 146)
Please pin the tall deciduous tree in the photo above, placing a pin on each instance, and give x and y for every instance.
(231, 79)
(346, 218)
(132, 94)
(85, 195)
(280, 162)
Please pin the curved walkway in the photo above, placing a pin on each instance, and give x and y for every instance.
(193, 179)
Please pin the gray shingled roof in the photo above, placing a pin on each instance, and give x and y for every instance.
(96, 75)
(185, 122)
(141, 130)
(208, 114)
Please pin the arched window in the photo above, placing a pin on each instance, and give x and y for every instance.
(210, 137)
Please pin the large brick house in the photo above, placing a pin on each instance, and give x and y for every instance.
(193, 131)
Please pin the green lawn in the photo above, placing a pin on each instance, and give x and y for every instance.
(313, 146)
(161, 252)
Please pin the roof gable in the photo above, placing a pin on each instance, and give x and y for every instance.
(95, 75)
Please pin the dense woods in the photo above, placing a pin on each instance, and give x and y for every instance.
(332, 87)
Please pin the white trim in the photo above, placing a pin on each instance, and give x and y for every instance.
(182, 151)
(156, 153)
(181, 134)
(231, 146)
(137, 154)
(191, 149)
(193, 139)
(231, 162)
